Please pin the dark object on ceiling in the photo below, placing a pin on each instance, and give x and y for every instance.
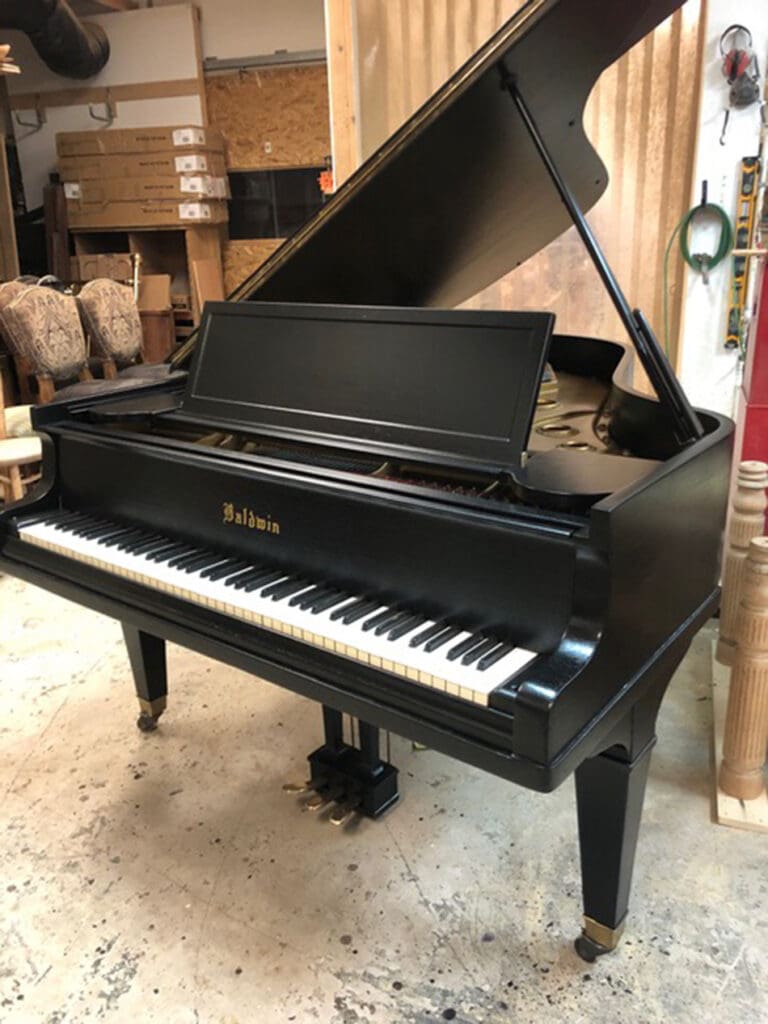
(70, 47)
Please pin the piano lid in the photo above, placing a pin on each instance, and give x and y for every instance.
(458, 196)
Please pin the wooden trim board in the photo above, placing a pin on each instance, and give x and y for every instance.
(85, 95)
(747, 814)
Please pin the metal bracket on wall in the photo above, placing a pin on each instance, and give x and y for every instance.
(280, 58)
(37, 124)
(110, 110)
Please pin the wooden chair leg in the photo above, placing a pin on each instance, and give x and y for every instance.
(45, 388)
(23, 374)
(85, 374)
(16, 485)
(747, 521)
(109, 369)
(746, 720)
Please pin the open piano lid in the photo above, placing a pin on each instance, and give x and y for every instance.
(458, 196)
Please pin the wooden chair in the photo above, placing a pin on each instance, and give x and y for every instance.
(111, 320)
(19, 446)
(43, 330)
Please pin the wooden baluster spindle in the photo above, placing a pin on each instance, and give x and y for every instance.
(746, 720)
(747, 521)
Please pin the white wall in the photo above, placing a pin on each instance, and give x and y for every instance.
(708, 371)
(140, 52)
(244, 28)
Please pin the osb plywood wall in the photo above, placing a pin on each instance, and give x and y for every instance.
(241, 258)
(641, 118)
(273, 117)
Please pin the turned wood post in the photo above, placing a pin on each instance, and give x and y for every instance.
(746, 720)
(747, 521)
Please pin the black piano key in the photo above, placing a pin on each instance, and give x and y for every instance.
(353, 612)
(69, 519)
(284, 588)
(250, 572)
(97, 530)
(169, 550)
(396, 619)
(127, 539)
(79, 528)
(50, 518)
(202, 559)
(180, 561)
(496, 655)
(301, 600)
(442, 638)
(427, 634)
(383, 616)
(228, 568)
(311, 603)
(115, 536)
(462, 648)
(262, 580)
(478, 651)
(324, 603)
(411, 623)
(136, 543)
(147, 547)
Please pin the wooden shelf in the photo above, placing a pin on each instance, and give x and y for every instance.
(86, 7)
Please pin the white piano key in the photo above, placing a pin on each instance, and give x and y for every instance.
(427, 669)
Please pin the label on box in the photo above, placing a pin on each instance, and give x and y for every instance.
(194, 211)
(72, 190)
(189, 137)
(200, 184)
(191, 162)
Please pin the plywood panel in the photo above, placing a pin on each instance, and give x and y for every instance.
(641, 118)
(276, 117)
(242, 258)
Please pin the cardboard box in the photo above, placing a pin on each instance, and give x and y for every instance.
(150, 213)
(138, 140)
(178, 186)
(154, 292)
(116, 265)
(141, 165)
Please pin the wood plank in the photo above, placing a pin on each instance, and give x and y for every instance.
(9, 257)
(84, 95)
(342, 86)
(86, 7)
(751, 815)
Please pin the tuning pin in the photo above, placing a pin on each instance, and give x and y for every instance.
(297, 788)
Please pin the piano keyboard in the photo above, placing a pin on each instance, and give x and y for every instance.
(394, 639)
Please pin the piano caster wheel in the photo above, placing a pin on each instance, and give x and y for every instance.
(602, 940)
(147, 723)
(589, 950)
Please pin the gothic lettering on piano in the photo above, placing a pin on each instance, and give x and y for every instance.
(244, 516)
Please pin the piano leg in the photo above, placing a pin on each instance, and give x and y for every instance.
(147, 657)
(610, 788)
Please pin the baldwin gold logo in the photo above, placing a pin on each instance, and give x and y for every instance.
(244, 516)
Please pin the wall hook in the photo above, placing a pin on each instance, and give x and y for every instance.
(109, 110)
(40, 118)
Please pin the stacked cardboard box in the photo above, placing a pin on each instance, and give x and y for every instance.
(143, 177)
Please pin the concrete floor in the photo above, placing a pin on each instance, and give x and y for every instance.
(167, 877)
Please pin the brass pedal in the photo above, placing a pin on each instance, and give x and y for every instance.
(317, 802)
(342, 814)
(297, 788)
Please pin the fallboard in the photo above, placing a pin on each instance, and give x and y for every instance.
(486, 571)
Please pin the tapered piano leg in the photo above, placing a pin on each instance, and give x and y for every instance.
(609, 795)
(610, 788)
(147, 657)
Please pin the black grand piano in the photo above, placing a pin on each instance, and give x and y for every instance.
(456, 525)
